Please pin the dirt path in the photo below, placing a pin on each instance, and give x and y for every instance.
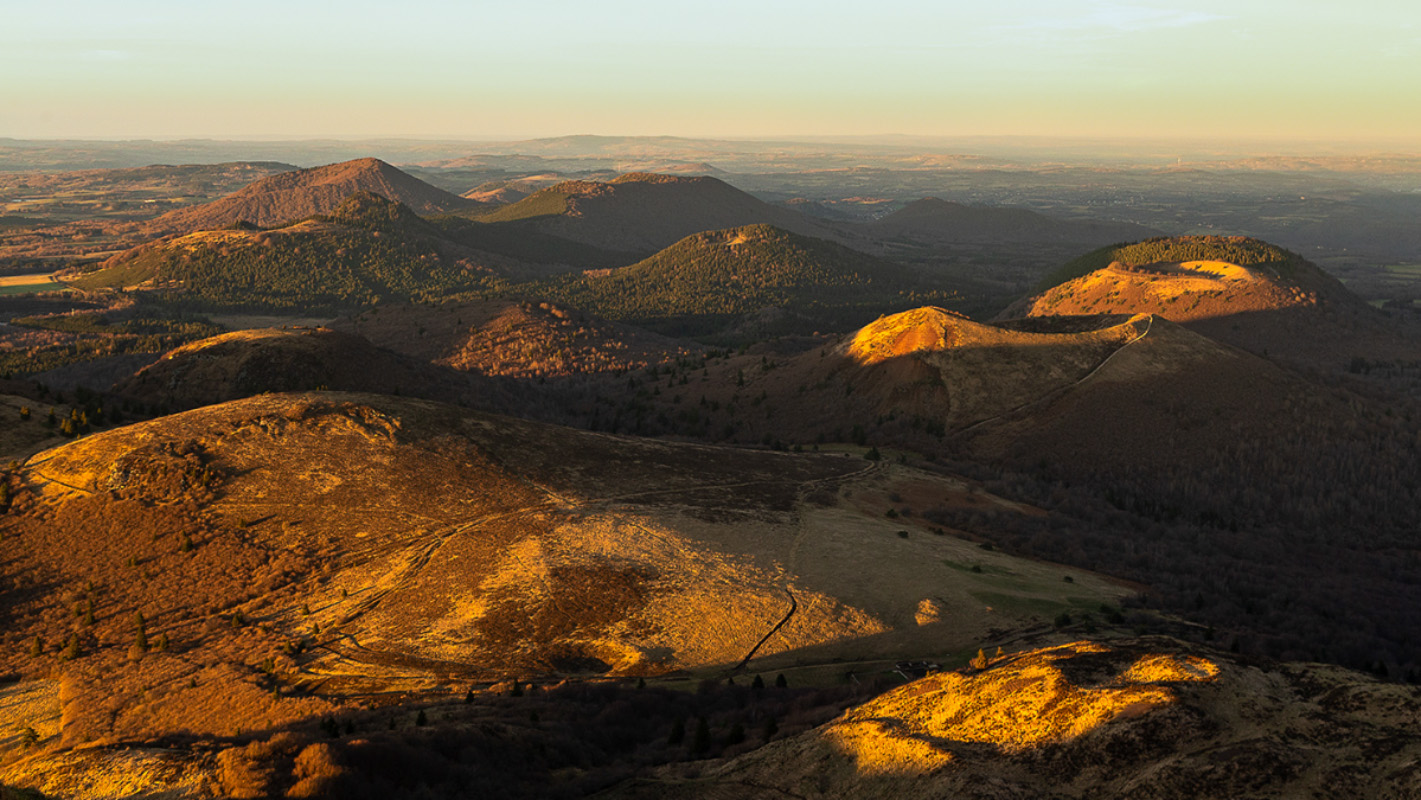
(794, 557)
(1052, 396)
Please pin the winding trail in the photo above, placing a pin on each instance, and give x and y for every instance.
(342, 641)
(1054, 395)
(794, 556)
(793, 606)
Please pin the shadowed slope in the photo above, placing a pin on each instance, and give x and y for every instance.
(644, 212)
(921, 374)
(515, 339)
(249, 362)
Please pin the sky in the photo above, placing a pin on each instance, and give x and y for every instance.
(1342, 73)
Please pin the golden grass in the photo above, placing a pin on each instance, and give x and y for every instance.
(103, 774)
(26, 280)
(1222, 269)
(897, 335)
(31, 704)
(1017, 703)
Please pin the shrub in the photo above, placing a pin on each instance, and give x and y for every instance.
(702, 741)
(980, 660)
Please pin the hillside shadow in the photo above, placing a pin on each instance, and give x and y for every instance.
(1322, 339)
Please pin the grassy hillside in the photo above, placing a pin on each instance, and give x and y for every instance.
(1240, 250)
(703, 283)
(529, 245)
(544, 203)
(1108, 719)
(1242, 291)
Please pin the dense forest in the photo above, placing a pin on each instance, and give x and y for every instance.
(702, 284)
(368, 250)
(89, 336)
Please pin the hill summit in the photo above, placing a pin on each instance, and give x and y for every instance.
(642, 212)
(708, 280)
(290, 196)
(1236, 289)
(365, 249)
(1183, 278)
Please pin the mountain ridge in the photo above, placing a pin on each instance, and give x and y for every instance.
(645, 212)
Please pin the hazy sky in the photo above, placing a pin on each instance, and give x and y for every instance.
(1285, 69)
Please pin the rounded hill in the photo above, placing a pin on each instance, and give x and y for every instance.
(704, 283)
(517, 339)
(1243, 291)
(367, 248)
(1183, 278)
(913, 377)
(302, 193)
(298, 549)
(641, 213)
(245, 363)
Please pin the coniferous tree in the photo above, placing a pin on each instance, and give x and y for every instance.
(736, 735)
(678, 732)
(771, 727)
(701, 743)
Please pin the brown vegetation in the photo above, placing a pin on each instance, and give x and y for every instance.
(290, 196)
(1111, 720)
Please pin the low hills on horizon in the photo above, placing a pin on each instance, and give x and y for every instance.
(515, 460)
(944, 220)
